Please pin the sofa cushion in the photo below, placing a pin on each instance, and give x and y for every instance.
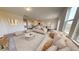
(65, 49)
(72, 45)
(60, 43)
(41, 30)
(38, 31)
(52, 48)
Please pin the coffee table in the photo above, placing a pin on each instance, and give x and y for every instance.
(29, 35)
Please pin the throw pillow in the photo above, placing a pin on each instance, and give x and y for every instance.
(47, 44)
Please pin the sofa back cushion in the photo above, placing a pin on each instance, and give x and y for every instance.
(65, 49)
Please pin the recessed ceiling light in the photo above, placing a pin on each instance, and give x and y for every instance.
(28, 9)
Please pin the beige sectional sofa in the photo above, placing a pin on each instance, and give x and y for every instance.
(57, 41)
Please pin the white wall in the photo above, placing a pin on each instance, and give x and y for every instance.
(2, 28)
(6, 27)
(52, 23)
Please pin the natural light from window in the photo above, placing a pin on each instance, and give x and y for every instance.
(69, 19)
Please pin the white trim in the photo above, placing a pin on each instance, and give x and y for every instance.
(73, 36)
(75, 42)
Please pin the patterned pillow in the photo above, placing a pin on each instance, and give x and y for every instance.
(3, 42)
(47, 44)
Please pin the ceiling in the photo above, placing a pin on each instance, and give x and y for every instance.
(36, 12)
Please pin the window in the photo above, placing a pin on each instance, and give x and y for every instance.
(69, 19)
(77, 39)
(68, 26)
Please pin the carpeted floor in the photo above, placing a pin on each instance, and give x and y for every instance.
(28, 44)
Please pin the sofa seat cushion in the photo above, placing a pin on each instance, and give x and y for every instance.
(52, 48)
(72, 45)
(65, 49)
(60, 43)
(41, 30)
